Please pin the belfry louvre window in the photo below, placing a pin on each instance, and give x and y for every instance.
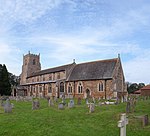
(33, 61)
(80, 88)
(100, 87)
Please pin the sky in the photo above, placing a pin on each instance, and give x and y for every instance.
(84, 30)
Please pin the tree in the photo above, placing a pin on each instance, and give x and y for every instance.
(131, 88)
(141, 85)
(5, 86)
(14, 80)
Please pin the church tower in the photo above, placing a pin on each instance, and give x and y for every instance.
(31, 63)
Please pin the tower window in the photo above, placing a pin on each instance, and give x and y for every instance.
(25, 62)
(34, 62)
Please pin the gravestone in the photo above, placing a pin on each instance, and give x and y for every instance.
(79, 101)
(86, 101)
(63, 100)
(55, 99)
(61, 106)
(128, 107)
(71, 104)
(93, 99)
(50, 102)
(7, 107)
(35, 104)
(91, 107)
(144, 119)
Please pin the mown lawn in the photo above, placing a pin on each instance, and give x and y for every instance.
(49, 121)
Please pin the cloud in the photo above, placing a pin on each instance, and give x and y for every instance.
(10, 56)
(25, 10)
(137, 69)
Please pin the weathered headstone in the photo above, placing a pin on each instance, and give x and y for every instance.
(91, 107)
(61, 106)
(128, 107)
(55, 99)
(7, 107)
(35, 104)
(93, 99)
(86, 101)
(50, 102)
(63, 100)
(79, 101)
(71, 104)
(144, 119)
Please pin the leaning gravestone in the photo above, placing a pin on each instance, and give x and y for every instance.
(71, 104)
(7, 107)
(35, 104)
(79, 101)
(61, 106)
(91, 107)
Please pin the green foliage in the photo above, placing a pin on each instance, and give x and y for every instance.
(14, 80)
(50, 121)
(131, 88)
(5, 87)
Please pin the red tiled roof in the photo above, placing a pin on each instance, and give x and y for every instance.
(147, 87)
(137, 92)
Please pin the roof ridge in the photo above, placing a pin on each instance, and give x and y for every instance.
(55, 67)
(98, 61)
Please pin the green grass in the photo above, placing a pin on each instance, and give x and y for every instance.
(49, 121)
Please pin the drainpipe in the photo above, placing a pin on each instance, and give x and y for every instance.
(74, 90)
(105, 89)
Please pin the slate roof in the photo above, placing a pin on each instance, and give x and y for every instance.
(51, 70)
(102, 69)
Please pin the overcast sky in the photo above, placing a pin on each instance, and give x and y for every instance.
(85, 30)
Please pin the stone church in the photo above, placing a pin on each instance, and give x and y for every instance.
(99, 79)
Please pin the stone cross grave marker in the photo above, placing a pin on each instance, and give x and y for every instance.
(7, 107)
(122, 124)
(35, 104)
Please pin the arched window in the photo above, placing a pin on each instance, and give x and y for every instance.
(69, 88)
(61, 87)
(80, 88)
(100, 87)
(49, 88)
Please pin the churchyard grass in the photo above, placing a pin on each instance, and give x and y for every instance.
(77, 121)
